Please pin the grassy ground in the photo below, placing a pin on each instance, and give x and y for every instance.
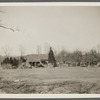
(50, 80)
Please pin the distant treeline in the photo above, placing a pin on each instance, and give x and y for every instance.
(78, 58)
(75, 58)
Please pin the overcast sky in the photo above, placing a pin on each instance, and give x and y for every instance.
(61, 27)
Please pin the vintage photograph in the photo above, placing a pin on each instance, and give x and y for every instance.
(49, 49)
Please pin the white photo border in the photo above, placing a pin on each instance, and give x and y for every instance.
(50, 95)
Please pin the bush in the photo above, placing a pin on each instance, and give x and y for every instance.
(10, 63)
(7, 66)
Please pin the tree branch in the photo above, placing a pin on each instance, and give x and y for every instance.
(7, 28)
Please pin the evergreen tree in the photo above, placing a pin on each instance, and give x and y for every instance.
(11, 60)
(51, 58)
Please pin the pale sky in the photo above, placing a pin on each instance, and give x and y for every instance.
(70, 28)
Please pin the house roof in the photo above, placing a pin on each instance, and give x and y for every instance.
(36, 57)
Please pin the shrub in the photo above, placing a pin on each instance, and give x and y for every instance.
(12, 62)
(7, 66)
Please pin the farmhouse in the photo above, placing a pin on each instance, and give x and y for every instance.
(37, 60)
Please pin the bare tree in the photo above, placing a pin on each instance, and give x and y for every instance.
(6, 50)
(38, 49)
(5, 27)
(98, 48)
(46, 47)
(21, 50)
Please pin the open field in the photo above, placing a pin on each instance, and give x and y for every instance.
(50, 80)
